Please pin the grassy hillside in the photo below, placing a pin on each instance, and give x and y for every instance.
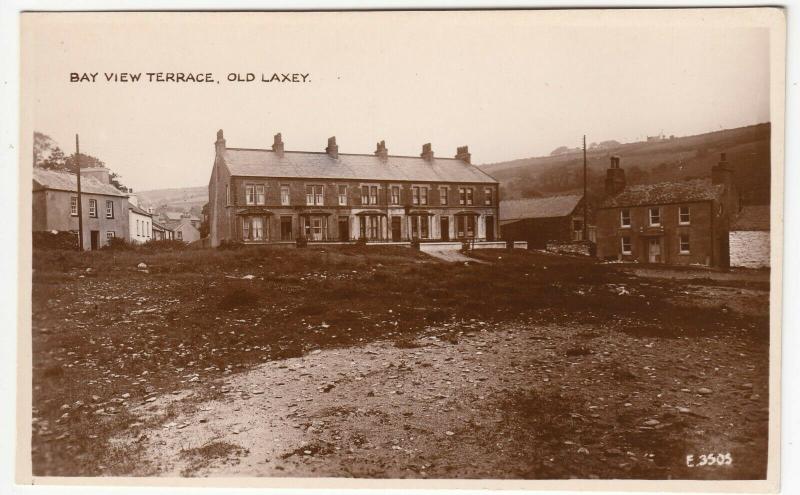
(177, 199)
(646, 162)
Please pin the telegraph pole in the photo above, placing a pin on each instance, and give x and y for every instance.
(80, 208)
(585, 199)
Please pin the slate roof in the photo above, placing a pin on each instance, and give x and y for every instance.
(302, 164)
(65, 181)
(665, 192)
(752, 218)
(547, 207)
(158, 226)
(135, 209)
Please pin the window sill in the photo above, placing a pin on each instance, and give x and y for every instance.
(684, 224)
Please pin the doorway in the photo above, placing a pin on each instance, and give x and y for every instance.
(396, 223)
(95, 239)
(654, 250)
(286, 228)
(344, 229)
(489, 228)
(444, 226)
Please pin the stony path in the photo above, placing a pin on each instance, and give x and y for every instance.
(450, 253)
(440, 409)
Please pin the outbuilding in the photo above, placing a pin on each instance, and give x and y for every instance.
(749, 237)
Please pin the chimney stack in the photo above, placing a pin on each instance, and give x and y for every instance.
(615, 178)
(427, 152)
(220, 143)
(102, 174)
(333, 148)
(463, 154)
(722, 173)
(277, 144)
(381, 151)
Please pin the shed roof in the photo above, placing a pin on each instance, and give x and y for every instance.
(304, 164)
(546, 207)
(665, 192)
(754, 217)
(65, 181)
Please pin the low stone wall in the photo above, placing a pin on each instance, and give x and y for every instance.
(749, 248)
(579, 248)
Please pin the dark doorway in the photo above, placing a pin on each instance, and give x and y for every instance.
(490, 228)
(444, 228)
(396, 229)
(95, 239)
(286, 228)
(344, 229)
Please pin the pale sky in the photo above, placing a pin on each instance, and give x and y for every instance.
(508, 84)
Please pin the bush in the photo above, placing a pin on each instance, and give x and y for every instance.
(362, 241)
(415, 243)
(164, 244)
(229, 245)
(301, 241)
(118, 244)
(51, 239)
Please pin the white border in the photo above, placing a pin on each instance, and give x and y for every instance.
(9, 159)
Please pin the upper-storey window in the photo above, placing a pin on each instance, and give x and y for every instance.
(625, 217)
(369, 195)
(487, 196)
(255, 194)
(462, 196)
(73, 206)
(655, 216)
(285, 195)
(470, 192)
(314, 195)
(342, 195)
(683, 215)
(109, 209)
(93, 208)
(419, 195)
(395, 195)
(443, 195)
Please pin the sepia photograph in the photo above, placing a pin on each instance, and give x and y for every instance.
(503, 245)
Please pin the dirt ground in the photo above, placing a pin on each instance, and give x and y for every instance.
(569, 369)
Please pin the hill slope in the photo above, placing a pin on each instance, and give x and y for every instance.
(176, 199)
(748, 150)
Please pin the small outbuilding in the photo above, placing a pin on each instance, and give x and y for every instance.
(544, 220)
(749, 237)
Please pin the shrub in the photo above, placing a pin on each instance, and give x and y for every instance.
(230, 245)
(415, 243)
(52, 239)
(164, 244)
(301, 241)
(118, 244)
(362, 241)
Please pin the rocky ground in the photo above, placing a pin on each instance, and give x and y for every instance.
(617, 376)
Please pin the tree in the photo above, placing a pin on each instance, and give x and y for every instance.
(204, 227)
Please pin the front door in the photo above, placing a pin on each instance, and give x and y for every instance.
(654, 250)
(95, 239)
(344, 229)
(489, 228)
(444, 226)
(286, 228)
(396, 223)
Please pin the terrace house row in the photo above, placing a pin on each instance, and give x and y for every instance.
(273, 195)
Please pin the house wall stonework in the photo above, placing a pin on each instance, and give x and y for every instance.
(52, 211)
(704, 229)
(228, 224)
(750, 249)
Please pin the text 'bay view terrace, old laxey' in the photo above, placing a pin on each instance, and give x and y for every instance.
(272, 195)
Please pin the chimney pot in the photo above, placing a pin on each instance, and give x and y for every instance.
(277, 144)
(333, 148)
(381, 151)
(615, 178)
(427, 152)
(220, 143)
(463, 154)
